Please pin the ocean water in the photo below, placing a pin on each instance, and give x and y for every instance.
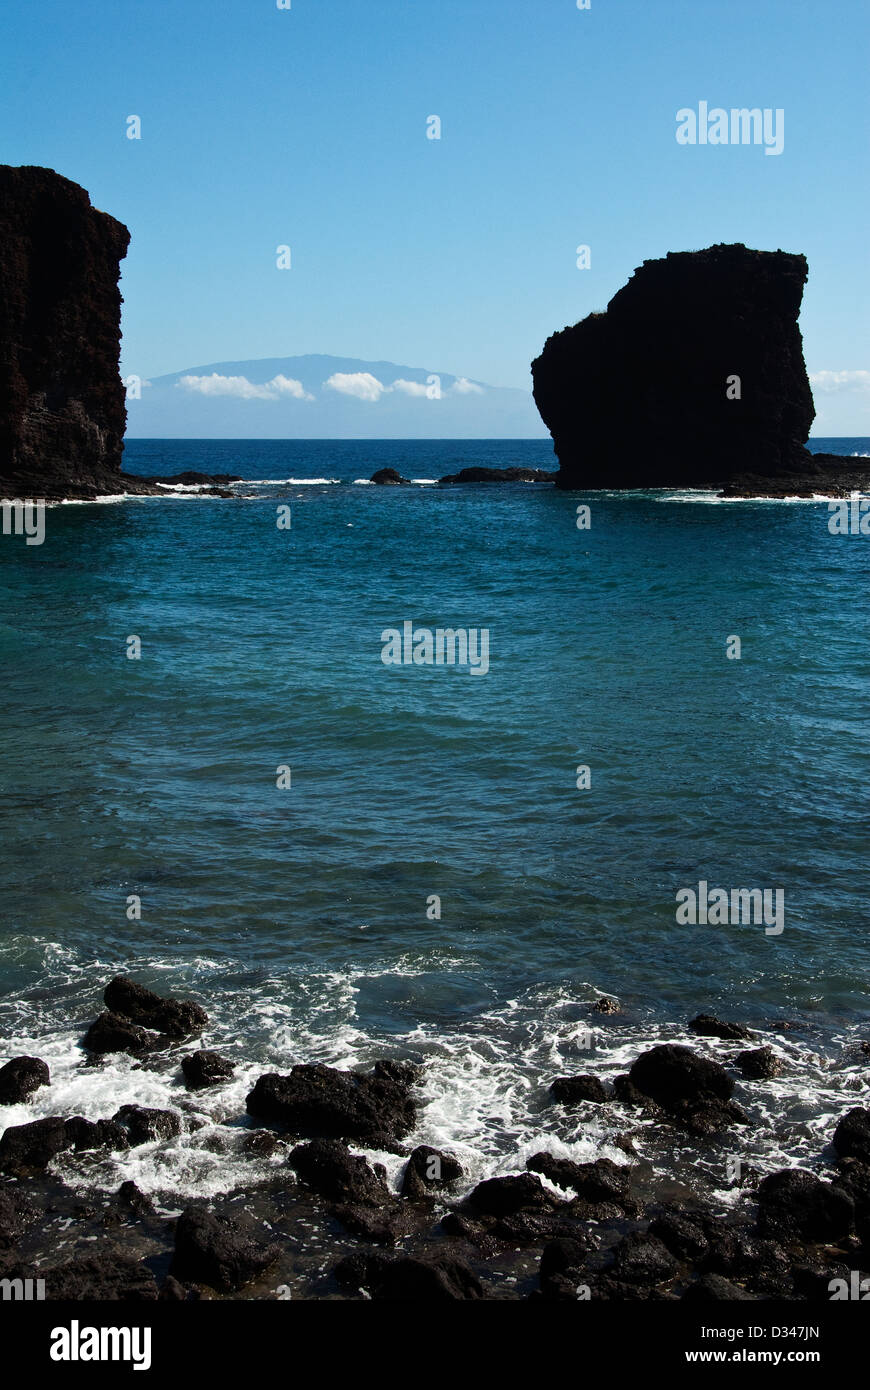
(298, 916)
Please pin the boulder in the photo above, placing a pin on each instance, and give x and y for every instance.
(111, 1033)
(505, 1196)
(499, 475)
(409, 1279)
(759, 1064)
(320, 1101)
(32, 1146)
(143, 1125)
(429, 1172)
(852, 1135)
(795, 1205)
(640, 1258)
(203, 1069)
(225, 1252)
(601, 1182)
(329, 1168)
(16, 1214)
(20, 1078)
(388, 477)
(95, 1134)
(176, 1017)
(107, 1275)
(573, 1090)
(708, 1026)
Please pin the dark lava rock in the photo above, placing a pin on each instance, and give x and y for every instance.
(190, 477)
(607, 1006)
(176, 1017)
(813, 1279)
(762, 1264)
(712, 1288)
(95, 1134)
(111, 1033)
(505, 1196)
(643, 1259)
(565, 1256)
(62, 411)
(795, 1205)
(429, 1171)
(572, 1090)
(852, 1135)
(500, 475)
(402, 1073)
(683, 1236)
(408, 1279)
(706, 1026)
(109, 1275)
(222, 1251)
(132, 1202)
(329, 1168)
(205, 1069)
(387, 477)
(143, 1125)
(384, 1225)
(672, 1074)
(16, 1214)
(320, 1101)
(595, 1183)
(659, 361)
(262, 1143)
(20, 1078)
(760, 1064)
(32, 1146)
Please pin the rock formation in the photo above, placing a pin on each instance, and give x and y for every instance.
(694, 376)
(62, 412)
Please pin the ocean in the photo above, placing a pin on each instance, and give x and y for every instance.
(433, 883)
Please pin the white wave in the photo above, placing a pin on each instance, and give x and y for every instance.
(281, 482)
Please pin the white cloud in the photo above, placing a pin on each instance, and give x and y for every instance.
(409, 388)
(840, 381)
(244, 390)
(361, 385)
(463, 387)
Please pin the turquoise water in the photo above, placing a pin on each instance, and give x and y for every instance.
(299, 916)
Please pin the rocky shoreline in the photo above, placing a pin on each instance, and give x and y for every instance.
(327, 1224)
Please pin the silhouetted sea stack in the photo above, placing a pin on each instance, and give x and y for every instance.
(693, 377)
(62, 411)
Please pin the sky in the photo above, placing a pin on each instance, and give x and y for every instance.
(306, 127)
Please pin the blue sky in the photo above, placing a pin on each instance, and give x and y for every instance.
(307, 127)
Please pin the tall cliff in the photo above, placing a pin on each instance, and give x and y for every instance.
(639, 396)
(62, 411)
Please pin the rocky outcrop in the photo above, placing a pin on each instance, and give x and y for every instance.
(137, 1020)
(321, 1102)
(499, 475)
(694, 376)
(62, 411)
(20, 1078)
(222, 1250)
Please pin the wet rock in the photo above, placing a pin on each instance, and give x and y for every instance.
(95, 1134)
(429, 1172)
(143, 1125)
(203, 1069)
(111, 1033)
(225, 1252)
(409, 1279)
(500, 475)
(387, 477)
(402, 1073)
(16, 1214)
(795, 1205)
(708, 1026)
(643, 1259)
(505, 1196)
(595, 1183)
(532, 1227)
(607, 1006)
(572, 1090)
(712, 1288)
(566, 1256)
(760, 1064)
(20, 1078)
(132, 1202)
(761, 1264)
(320, 1101)
(262, 1143)
(329, 1168)
(852, 1135)
(384, 1225)
(175, 1017)
(32, 1146)
(694, 1091)
(460, 1226)
(683, 1236)
(108, 1275)
(171, 1291)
